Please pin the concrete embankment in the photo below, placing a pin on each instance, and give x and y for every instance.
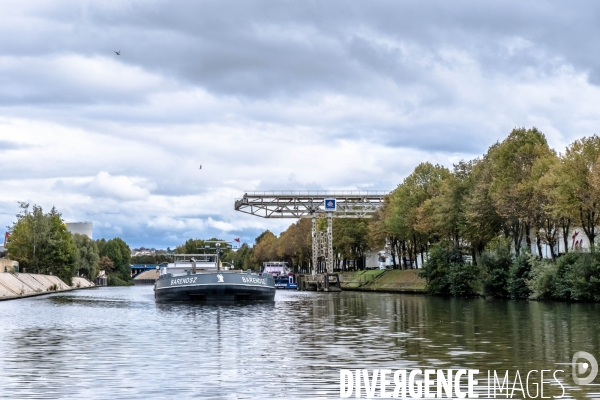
(14, 286)
(401, 281)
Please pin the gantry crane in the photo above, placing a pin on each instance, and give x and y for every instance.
(313, 204)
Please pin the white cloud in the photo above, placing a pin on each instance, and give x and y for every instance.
(119, 187)
(221, 225)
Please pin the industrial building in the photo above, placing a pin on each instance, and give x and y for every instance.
(83, 228)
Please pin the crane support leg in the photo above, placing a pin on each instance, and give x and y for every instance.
(315, 247)
(329, 257)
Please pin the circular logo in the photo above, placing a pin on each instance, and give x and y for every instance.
(590, 365)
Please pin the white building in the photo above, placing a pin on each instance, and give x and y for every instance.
(83, 228)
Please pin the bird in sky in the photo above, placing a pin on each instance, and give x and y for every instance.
(200, 166)
(118, 52)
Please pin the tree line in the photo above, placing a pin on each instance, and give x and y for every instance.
(41, 243)
(520, 190)
(351, 242)
(520, 193)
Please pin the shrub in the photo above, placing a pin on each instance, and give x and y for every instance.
(562, 276)
(495, 265)
(519, 274)
(462, 279)
(436, 269)
(584, 277)
(574, 276)
(115, 280)
(446, 273)
(542, 275)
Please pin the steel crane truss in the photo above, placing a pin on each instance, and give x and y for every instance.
(310, 204)
(313, 204)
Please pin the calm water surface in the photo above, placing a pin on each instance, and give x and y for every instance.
(117, 343)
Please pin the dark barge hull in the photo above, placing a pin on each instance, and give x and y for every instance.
(211, 288)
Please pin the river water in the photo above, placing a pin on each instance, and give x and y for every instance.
(117, 343)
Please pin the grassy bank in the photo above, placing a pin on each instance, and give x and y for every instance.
(406, 281)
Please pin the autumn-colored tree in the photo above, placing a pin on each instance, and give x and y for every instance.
(106, 264)
(350, 240)
(513, 181)
(548, 223)
(294, 245)
(576, 191)
(408, 219)
(265, 248)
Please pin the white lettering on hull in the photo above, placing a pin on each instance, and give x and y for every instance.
(183, 281)
(254, 280)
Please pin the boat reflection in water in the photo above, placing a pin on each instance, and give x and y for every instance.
(201, 277)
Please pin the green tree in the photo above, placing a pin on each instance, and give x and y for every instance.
(87, 256)
(244, 258)
(483, 222)
(42, 244)
(150, 259)
(119, 253)
(350, 239)
(191, 246)
(100, 243)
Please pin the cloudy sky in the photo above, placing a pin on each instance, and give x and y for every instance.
(267, 95)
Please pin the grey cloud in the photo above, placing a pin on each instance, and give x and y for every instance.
(594, 76)
(137, 233)
(435, 138)
(263, 49)
(9, 145)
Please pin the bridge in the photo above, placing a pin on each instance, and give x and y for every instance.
(313, 204)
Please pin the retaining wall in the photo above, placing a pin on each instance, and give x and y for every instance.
(407, 281)
(17, 285)
(79, 282)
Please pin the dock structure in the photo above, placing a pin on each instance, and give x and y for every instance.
(314, 204)
(324, 282)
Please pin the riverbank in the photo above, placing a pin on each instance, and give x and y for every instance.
(19, 285)
(393, 281)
